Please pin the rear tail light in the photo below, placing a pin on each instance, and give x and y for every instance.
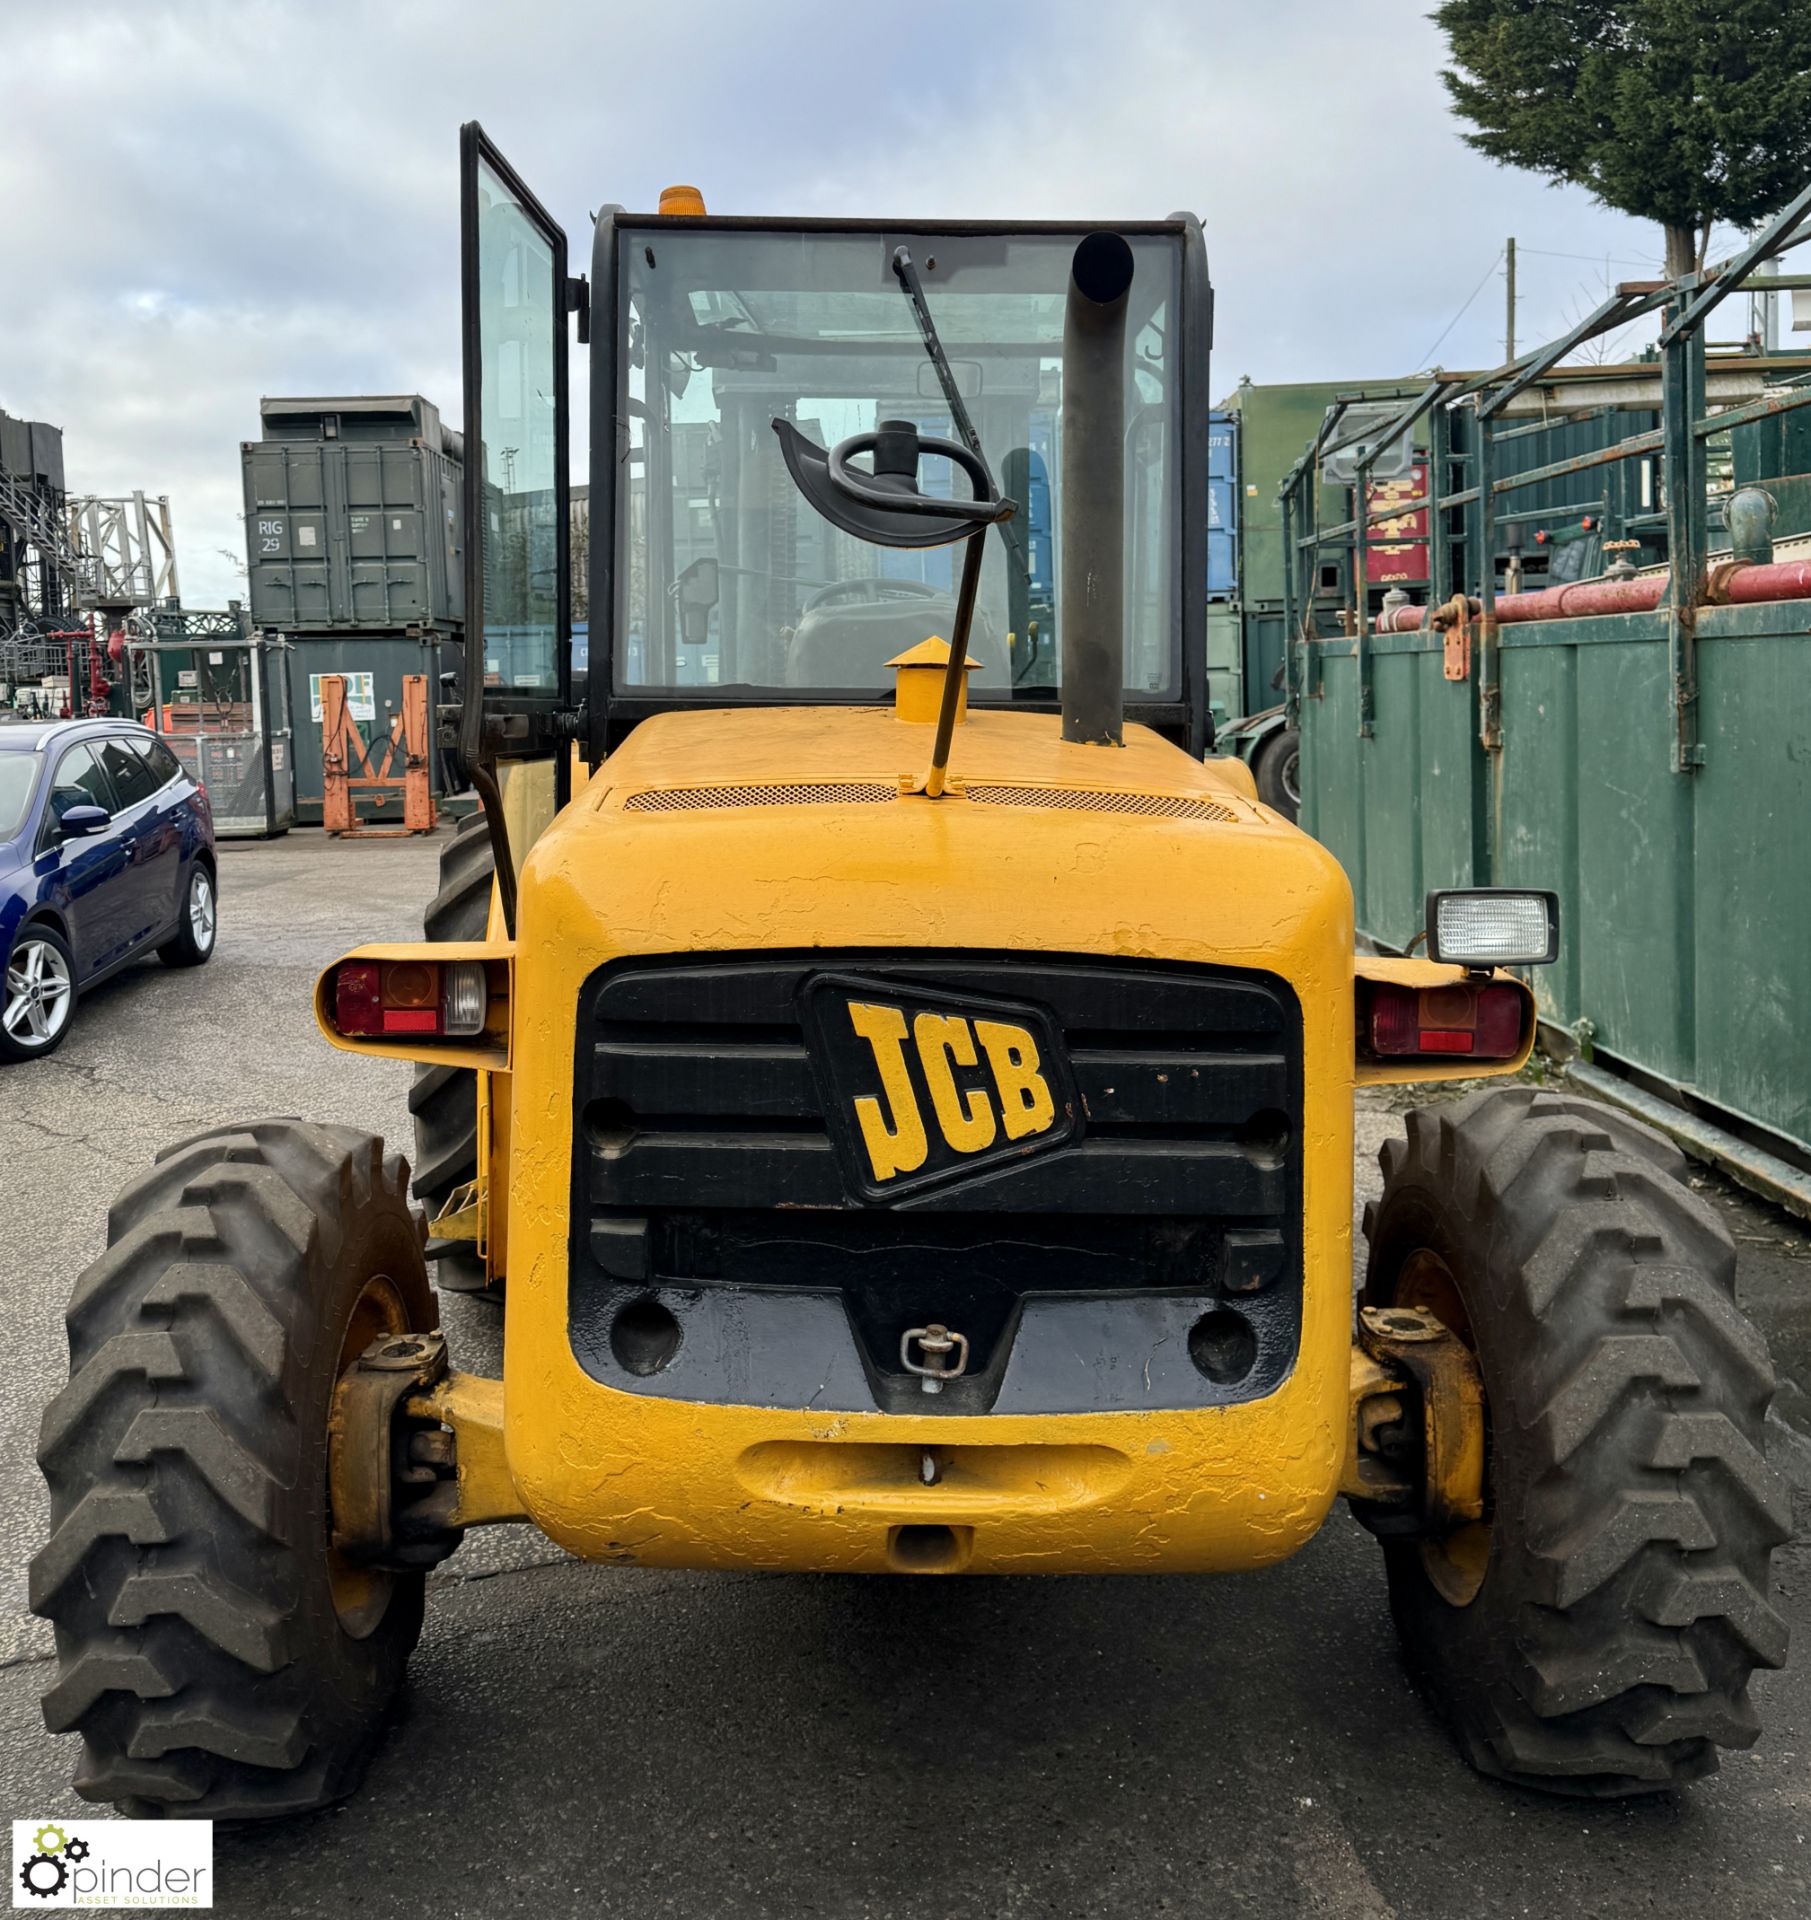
(439, 999)
(1480, 1021)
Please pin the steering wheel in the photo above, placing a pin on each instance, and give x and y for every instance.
(885, 506)
(871, 587)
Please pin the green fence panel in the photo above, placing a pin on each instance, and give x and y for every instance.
(1391, 801)
(1632, 921)
(1331, 812)
(1685, 900)
(1753, 867)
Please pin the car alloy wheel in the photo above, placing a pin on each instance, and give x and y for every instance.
(38, 994)
(201, 910)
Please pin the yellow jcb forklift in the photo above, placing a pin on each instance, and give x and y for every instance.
(900, 1087)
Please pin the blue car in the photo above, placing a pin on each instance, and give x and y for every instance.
(106, 854)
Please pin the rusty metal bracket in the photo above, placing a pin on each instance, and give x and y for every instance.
(1716, 582)
(1453, 618)
(1445, 1380)
(363, 1467)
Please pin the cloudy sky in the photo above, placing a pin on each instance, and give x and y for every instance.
(207, 202)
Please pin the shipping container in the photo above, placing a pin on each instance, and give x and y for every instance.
(353, 520)
(1275, 424)
(373, 665)
(1254, 437)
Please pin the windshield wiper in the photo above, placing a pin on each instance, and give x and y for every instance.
(907, 275)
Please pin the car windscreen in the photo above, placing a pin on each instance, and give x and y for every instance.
(732, 582)
(18, 776)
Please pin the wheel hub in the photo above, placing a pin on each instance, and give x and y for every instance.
(389, 1474)
(1427, 1477)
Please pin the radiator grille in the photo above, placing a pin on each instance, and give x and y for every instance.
(705, 1174)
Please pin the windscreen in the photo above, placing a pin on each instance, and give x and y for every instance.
(732, 582)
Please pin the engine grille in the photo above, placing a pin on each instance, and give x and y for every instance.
(705, 1179)
(876, 793)
(1162, 805)
(823, 793)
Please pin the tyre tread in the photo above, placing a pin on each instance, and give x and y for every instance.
(1634, 1594)
(170, 1573)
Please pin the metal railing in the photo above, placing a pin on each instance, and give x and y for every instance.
(1680, 441)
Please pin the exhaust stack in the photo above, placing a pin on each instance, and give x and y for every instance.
(1091, 611)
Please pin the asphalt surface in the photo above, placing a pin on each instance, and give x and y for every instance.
(608, 1740)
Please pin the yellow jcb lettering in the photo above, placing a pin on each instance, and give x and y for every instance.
(895, 1139)
(1025, 1103)
(967, 1120)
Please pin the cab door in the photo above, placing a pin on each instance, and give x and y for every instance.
(516, 689)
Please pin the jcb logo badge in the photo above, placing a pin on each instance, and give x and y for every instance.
(922, 1087)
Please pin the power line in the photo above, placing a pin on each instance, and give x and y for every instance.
(1591, 259)
(1427, 359)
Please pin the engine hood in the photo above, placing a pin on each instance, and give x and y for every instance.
(797, 827)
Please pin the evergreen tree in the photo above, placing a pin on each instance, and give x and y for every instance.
(1680, 111)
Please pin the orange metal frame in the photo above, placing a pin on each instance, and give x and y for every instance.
(347, 764)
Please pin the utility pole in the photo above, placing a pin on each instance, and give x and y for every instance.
(1509, 303)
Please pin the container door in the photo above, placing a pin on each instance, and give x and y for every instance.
(1222, 506)
(518, 583)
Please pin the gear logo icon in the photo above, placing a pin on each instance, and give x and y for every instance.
(44, 1875)
(46, 1872)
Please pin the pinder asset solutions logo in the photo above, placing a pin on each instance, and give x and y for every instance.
(113, 1863)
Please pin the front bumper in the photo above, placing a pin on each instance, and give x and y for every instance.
(677, 1484)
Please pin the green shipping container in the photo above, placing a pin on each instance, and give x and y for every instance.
(373, 665)
(1276, 423)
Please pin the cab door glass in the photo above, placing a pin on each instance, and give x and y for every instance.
(516, 373)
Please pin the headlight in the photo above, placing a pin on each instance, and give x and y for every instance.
(1492, 927)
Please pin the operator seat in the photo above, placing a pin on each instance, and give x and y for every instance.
(850, 629)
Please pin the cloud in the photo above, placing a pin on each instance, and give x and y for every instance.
(223, 201)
